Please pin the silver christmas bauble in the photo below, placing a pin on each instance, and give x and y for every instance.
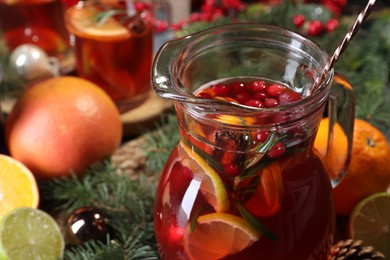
(31, 63)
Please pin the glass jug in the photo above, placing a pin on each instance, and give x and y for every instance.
(245, 182)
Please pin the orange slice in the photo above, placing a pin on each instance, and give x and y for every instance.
(81, 21)
(217, 235)
(18, 187)
(212, 187)
(266, 200)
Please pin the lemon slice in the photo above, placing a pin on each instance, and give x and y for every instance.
(81, 21)
(28, 233)
(217, 235)
(18, 187)
(370, 222)
(212, 187)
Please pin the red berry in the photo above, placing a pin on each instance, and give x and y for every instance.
(315, 28)
(232, 169)
(257, 86)
(331, 25)
(221, 90)
(194, 17)
(254, 103)
(299, 20)
(259, 95)
(288, 97)
(238, 87)
(270, 102)
(242, 97)
(262, 136)
(277, 150)
(275, 90)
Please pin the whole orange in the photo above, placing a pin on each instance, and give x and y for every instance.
(61, 126)
(369, 170)
(336, 158)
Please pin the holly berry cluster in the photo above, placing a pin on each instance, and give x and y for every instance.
(212, 10)
(314, 27)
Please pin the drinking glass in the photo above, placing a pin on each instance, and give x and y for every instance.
(113, 47)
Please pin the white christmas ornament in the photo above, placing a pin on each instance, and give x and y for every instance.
(31, 63)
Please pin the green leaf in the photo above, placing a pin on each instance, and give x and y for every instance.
(255, 223)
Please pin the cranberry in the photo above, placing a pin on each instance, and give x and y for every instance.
(262, 136)
(288, 97)
(275, 90)
(331, 25)
(232, 169)
(242, 97)
(221, 90)
(299, 20)
(271, 102)
(238, 87)
(277, 150)
(315, 28)
(257, 86)
(259, 95)
(254, 103)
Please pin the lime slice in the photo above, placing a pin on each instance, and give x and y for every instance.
(212, 187)
(28, 233)
(217, 235)
(370, 222)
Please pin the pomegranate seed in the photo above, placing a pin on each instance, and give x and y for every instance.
(257, 86)
(331, 25)
(254, 103)
(232, 169)
(262, 136)
(221, 90)
(271, 102)
(289, 97)
(315, 28)
(242, 97)
(259, 95)
(299, 20)
(277, 150)
(275, 90)
(238, 87)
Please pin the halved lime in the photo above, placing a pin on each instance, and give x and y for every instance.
(370, 222)
(28, 233)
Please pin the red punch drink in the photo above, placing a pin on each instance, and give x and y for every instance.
(233, 188)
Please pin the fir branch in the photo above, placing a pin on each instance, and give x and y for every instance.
(161, 142)
(128, 204)
(93, 250)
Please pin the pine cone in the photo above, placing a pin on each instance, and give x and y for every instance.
(354, 250)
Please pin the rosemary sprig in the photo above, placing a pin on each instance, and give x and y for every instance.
(102, 17)
(255, 223)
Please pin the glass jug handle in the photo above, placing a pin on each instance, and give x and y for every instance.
(341, 114)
